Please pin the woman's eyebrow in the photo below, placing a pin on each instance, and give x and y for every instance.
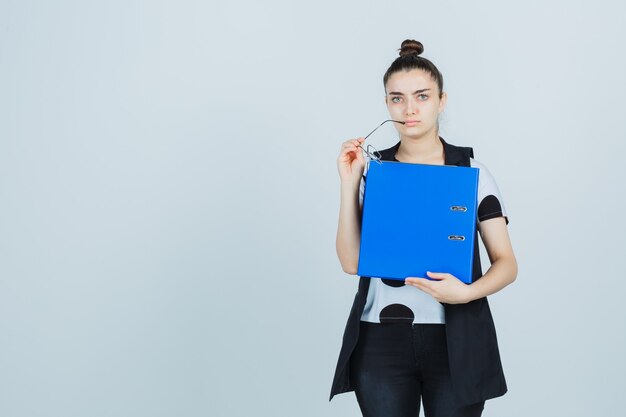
(396, 93)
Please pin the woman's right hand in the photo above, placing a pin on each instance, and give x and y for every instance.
(351, 162)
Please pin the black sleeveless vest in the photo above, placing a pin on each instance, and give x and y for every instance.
(473, 353)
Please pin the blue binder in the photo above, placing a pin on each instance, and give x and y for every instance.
(418, 218)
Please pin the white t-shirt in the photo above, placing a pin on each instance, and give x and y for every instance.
(390, 300)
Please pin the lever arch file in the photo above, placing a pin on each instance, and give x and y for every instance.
(418, 218)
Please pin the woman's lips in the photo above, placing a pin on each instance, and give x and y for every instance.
(411, 123)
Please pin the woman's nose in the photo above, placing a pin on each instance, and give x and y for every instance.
(411, 108)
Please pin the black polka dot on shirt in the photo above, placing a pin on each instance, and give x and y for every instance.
(396, 313)
(393, 282)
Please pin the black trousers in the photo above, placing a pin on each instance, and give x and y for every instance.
(395, 365)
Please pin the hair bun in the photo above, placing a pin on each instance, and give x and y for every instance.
(411, 47)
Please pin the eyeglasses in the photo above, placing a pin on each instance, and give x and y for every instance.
(371, 152)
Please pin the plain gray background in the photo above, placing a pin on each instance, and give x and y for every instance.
(169, 196)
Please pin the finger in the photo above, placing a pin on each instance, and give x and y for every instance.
(348, 149)
(352, 143)
(352, 140)
(426, 289)
(358, 139)
(420, 282)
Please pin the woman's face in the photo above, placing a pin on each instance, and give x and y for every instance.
(414, 96)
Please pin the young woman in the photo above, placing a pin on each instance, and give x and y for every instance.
(429, 340)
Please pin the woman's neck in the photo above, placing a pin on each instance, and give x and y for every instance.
(421, 151)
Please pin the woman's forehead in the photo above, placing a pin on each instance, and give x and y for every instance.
(410, 81)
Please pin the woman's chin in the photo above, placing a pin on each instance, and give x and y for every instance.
(416, 132)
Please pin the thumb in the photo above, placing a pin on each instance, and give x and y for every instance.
(436, 274)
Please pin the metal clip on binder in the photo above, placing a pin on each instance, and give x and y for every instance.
(461, 209)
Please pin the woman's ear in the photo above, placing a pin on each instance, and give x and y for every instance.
(443, 101)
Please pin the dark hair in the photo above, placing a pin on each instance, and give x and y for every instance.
(409, 59)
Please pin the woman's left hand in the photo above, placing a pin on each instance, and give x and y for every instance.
(446, 289)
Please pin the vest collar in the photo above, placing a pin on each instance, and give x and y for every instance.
(453, 155)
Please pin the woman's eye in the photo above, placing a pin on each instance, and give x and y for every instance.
(423, 95)
(393, 99)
